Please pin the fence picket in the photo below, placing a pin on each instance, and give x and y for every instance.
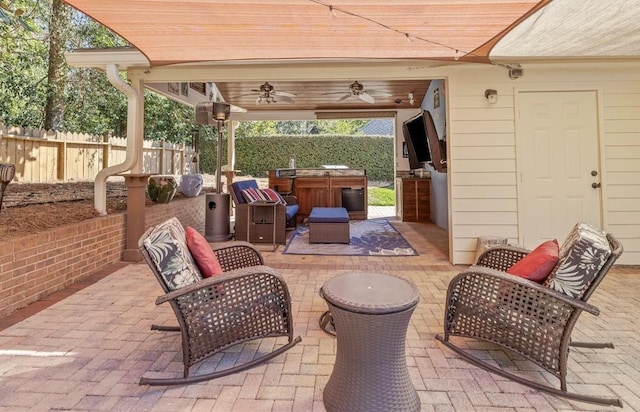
(42, 156)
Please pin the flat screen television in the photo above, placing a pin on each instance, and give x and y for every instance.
(423, 145)
(415, 136)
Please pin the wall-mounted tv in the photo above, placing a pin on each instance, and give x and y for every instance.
(415, 136)
(423, 145)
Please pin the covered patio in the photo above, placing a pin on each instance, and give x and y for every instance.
(89, 350)
(549, 50)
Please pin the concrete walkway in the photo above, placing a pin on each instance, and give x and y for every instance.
(87, 351)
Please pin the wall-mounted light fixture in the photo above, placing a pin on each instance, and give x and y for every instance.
(515, 71)
(491, 95)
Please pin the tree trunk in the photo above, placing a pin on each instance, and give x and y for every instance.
(56, 76)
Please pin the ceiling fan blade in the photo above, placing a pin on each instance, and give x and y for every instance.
(286, 99)
(286, 94)
(378, 93)
(366, 97)
(346, 96)
(243, 95)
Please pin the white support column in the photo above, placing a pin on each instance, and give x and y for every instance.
(138, 129)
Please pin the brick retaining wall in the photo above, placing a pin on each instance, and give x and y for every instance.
(35, 266)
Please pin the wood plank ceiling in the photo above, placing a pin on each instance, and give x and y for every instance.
(326, 95)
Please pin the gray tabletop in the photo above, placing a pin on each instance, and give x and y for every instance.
(371, 293)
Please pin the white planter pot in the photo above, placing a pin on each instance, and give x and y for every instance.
(191, 185)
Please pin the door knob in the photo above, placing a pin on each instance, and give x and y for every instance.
(595, 185)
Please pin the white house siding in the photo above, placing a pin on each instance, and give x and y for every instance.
(482, 152)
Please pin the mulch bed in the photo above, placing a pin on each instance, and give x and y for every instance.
(29, 208)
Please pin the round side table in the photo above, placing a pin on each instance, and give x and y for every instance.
(370, 312)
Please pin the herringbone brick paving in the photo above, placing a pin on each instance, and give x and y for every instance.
(88, 351)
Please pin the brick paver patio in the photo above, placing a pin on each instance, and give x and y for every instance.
(88, 350)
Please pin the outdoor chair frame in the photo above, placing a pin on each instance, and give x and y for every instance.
(248, 301)
(257, 224)
(486, 303)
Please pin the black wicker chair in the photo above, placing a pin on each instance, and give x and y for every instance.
(248, 301)
(534, 320)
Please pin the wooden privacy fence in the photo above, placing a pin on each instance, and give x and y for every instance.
(42, 156)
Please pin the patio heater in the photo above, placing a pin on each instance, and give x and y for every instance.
(217, 222)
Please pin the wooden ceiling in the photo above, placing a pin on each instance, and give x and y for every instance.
(325, 95)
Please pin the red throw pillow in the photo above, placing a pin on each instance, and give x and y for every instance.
(537, 265)
(202, 253)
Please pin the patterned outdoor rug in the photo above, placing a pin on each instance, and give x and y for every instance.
(368, 237)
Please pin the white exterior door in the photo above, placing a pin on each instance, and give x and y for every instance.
(557, 164)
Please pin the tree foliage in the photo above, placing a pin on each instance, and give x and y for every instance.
(300, 127)
(39, 90)
(23, 68)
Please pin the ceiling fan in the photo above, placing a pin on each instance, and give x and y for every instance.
(366, 95)
(267, 94)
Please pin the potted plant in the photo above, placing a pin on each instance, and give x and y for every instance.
(162, 188)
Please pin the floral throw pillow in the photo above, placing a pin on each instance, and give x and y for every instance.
(167, 247)
(582, 255)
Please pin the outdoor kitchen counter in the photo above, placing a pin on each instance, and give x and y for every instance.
(324, 188)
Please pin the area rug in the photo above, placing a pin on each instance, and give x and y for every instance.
(375, 237)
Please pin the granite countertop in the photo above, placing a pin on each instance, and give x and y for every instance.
(329, 172)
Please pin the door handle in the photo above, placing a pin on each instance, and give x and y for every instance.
(595, 185)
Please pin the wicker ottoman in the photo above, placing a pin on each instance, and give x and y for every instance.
(371, 313)
(329, 225)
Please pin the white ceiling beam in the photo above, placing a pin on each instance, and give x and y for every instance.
(399, 70)
(124, 57)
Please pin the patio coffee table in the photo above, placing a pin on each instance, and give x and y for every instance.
(370, 313)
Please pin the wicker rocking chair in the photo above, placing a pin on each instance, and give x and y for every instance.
(248, 301)
(531, 319)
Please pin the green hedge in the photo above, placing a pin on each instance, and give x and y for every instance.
(255, 156)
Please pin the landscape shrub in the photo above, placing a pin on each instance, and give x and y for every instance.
(256, 155)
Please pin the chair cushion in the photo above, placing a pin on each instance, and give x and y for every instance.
(291, 211)
(582, 255)
(329, 215)
(167, 247)
(202, 253)
(252, 195)
(241, 185)
(270, 194)
(537, 265)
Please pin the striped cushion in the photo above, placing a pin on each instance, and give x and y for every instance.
(271, 194)
(251, 195)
